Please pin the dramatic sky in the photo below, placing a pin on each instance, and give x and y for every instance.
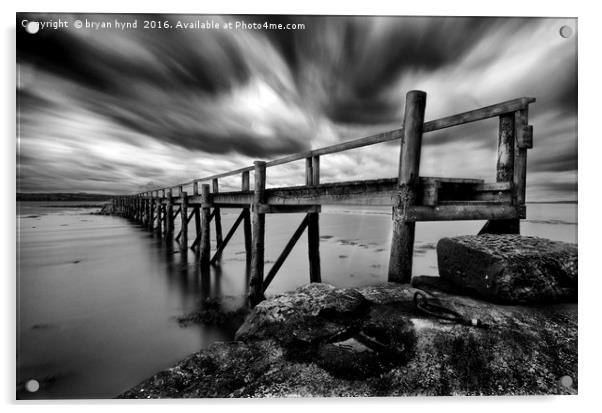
(118, 111)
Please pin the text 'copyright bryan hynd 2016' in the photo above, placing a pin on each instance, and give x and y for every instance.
(162, 24)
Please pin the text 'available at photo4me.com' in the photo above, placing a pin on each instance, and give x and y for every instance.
(119, 23)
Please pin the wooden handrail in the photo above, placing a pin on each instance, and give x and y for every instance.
(431, 126)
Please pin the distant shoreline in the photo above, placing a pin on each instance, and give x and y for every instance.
(71, 197)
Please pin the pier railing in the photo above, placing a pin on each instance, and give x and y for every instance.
(413, 198)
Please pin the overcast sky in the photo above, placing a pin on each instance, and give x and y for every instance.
(117, 111)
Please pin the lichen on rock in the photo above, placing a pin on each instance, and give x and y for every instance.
(324, 341)
(510, 268)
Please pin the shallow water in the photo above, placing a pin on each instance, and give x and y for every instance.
(99, 297)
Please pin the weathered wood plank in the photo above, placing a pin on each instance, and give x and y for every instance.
(462, 212)
(487, 112)
(367, 192)
(288, 209)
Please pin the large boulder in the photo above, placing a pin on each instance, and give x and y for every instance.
(312, 312)
(376, 342)
(510, 268)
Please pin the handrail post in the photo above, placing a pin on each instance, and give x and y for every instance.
(402, 244)
(217, 219)
(245, 186)
(504, 173)
(258, 239)
(524, 141)
(197, 211)
(308, 171)
(205, 244)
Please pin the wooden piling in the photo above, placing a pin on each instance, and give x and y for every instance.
(205, 243)
(217, 218)
(504, 173)
(402, 244)
(524, 141)
(159, 213)
(184, 217)
(313, 222)
(197, 212)
(151, 212)
(258, 238)
(169, 218)
(245, 186)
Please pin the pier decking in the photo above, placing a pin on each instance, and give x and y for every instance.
(413, 198)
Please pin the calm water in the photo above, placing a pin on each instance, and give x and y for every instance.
(99, 297)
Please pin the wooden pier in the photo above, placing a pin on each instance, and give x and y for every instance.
(412, 198)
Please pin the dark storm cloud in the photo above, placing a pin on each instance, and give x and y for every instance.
(359, 60)
(144, 105)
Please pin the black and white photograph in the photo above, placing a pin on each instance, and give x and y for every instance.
(295, 205)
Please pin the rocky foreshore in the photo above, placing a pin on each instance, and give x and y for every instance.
(324, 341)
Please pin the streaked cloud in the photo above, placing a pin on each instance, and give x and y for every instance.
(117, 111)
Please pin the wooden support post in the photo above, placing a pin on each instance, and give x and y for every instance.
(524, 141)
(430, 192)
(140, 203)
(217, 218)
(284, 254)
(247, 220)
(169, 219)
(313, 222)
(151, 218)
(159, 213)
(504, 173)
(308, 171)
(258, 239)
(402, 244)
(197, 214)
(205, 243)
(184, 216)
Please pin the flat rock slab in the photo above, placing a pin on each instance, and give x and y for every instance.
(373, 341)
(510, 268)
